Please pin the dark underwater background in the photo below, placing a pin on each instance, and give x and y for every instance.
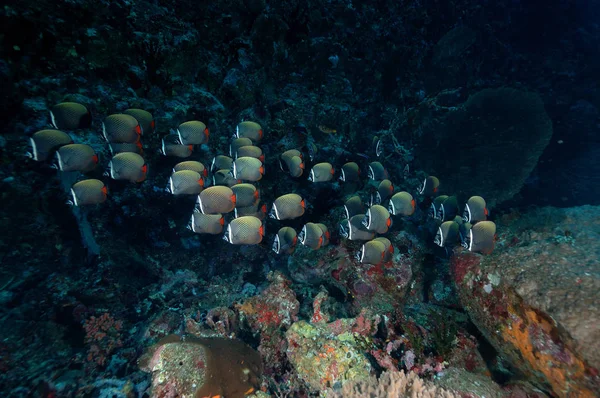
(495, 98)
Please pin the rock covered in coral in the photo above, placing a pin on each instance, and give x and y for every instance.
(325, 360)
(223, 320)
(491, 143)
(536, 299)
(469, 384)
(381, 288)
(276, 307)
(199, 367)
(269, 314)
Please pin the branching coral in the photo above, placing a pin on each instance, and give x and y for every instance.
(392, 384)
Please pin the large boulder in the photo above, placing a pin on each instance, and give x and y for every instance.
(323, 359)
(488, 146)
(536, 297)
(187, 366)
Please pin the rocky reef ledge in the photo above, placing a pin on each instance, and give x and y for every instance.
(536, 298)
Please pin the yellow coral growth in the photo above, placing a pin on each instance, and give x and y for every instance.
(564, 376)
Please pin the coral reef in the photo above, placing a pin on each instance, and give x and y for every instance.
(322, 360)
(497, 99)
(534, 298)
(269, 315)
(102, 334)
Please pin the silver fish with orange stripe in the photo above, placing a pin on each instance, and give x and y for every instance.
(373, 252)
(88, 192)
(144, 118)
(311, 236)
(121, 128)
(171, 147)
(185, 182)
(216, 199)
(285, 241)
(76, 157)
(70, 116)
(192, 165)
(246, 230)
(321, 172)
(377, 219)
(45, 142)
(128, 166)
(248, 169)
(193, 132)
(251, 130)
(211, 224)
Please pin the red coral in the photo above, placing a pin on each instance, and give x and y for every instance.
(103, 335)
(385, 360)
(365, 324)
(462, 264)
(318, 316)
(276, 307)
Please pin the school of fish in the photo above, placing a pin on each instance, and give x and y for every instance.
(229, 185)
